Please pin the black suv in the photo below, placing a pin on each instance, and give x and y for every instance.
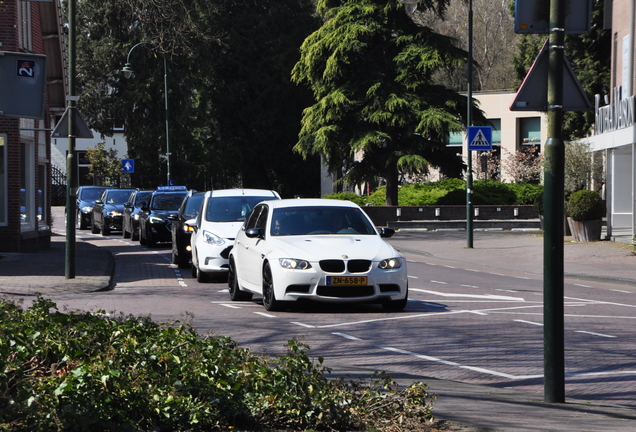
(86, 197)
(130, 219)
(154, 225)
(181, 233)
(108, 209)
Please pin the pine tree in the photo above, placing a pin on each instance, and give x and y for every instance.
(378, 113)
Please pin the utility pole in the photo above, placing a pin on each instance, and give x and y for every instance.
(554, 214)
(71, 163)
(469, 122)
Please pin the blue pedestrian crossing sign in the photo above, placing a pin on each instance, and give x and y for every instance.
(480, 138)
(128, 165)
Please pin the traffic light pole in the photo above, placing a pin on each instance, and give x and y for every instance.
(554, 214)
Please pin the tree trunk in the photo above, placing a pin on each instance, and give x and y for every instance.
(392, 188)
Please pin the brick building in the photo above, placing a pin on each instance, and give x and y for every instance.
(29, 27)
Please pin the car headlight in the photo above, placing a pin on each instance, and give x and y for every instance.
(187, 229)
(390, 263)
(136, 217)
(294, 264)
(86, 209)
(155, 219)
(114, 213)
(212, 238)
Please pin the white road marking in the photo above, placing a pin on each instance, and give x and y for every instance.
(595, 334)
(621, 291)
(439, 282)
(230, 306)
(265, 314)
(450, 267)
(346, 336)
(529, 322)
(302, 324)
(461, 366)
(413, 277)
(476, 312)
(224, 290)
(480, 296)
(469, 286)
(395, 318)
(600, 302)
(584, 286)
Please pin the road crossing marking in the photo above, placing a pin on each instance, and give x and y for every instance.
(595, 334)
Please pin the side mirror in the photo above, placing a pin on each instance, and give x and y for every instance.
(99, 202)
(173, 216)
(128, 205)
(191, 223)
(254, 233)
(386, 232)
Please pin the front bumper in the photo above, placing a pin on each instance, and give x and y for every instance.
(214, 259)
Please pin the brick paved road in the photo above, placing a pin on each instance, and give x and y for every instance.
(464, 323)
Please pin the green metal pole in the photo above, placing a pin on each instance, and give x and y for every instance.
(469, 121)
(165, 97)
(71, 178)
(554, 174)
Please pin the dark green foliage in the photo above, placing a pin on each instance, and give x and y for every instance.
(538, 204)
(585, 205)
(451, 191)
(525, 192)
(84, 371)
(348, 196)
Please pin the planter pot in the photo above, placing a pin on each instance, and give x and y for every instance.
(566, 225)
(586, 231)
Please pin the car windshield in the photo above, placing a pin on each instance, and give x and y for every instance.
(167, 201)
(192, 206)
(117, 196)
(141, 197)
(232, 209)
(317, 220)
(91, 194)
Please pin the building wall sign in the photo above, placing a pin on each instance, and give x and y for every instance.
(617, 115)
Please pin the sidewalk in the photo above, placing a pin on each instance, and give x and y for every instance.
(483, 408)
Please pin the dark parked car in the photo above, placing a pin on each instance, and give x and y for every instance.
(154, 224)
(86, 197)
(130, 219)
(181, 233)
(108, 210)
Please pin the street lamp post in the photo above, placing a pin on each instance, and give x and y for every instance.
(410, 6)
(128, 71)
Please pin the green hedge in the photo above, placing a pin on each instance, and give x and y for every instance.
(451, 192)
(81, 371)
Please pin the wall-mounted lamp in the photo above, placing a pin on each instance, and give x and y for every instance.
(516, 212)
(476, 212)
(398, 212)
(437, 212)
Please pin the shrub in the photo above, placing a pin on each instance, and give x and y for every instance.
(585, 205)
(493, 193)
(83, 371)
(348, 196)
(525, 192)
(538, 204)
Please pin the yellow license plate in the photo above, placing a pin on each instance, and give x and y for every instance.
(346, 280)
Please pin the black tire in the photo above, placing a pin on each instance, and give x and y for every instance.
(233, 286)
(194, 270)
(124, 233)
(201, 277)
(79, 221)
(269, 296)
(396, 305)
(183, 261)
(134, 233)
(150, 241)
(94, 228)
(105, 230)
